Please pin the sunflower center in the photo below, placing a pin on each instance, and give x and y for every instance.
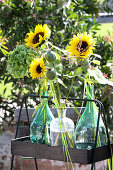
(38, 69)
(82, 46)
(36, 37)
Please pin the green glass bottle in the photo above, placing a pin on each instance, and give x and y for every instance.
(86, 127)
(39, 129)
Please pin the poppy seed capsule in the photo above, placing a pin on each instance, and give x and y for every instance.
(51, 74)
(51, 56)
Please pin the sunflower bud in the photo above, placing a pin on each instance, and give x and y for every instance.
(51, 57)
(51, 74)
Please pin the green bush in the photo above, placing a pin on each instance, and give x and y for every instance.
(63, 17)
(104, 48)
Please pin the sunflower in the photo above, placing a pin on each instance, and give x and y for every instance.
(37, 69)
(37, 37)
(81, 46)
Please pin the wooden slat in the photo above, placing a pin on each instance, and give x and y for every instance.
(23, 147)
(25, 131)
(69, 113)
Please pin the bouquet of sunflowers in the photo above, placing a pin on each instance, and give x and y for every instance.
(42, 60)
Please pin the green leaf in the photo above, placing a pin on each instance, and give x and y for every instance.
(43, 46)
(4, 47)
(57, 56)
(78, 71)
(59, 68)
(4, 51)
(39, 8)
(57, 62)
(97, 55)
(96, 62)
(98, 75)
(43, 102)
(61, 82)
(76, 110)
(90, 81)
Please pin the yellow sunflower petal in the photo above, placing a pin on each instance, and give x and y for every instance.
(47, 31)
(37, 69)
(81, 46)
(35, 38)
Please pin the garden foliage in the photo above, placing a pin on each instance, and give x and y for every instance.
(64, 18)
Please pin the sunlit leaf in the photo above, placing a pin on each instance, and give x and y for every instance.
(57, 56)
(96, 62)
(97, 55)
(76, 110)
(4, 47)
(98, 75)
(61, 82)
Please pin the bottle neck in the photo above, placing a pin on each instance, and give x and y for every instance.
(62, 113)
(90, 95)
(90, 92)
(44, 94)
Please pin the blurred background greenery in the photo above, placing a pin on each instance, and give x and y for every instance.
(65, 18)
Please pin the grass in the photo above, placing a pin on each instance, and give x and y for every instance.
(104, 29)
(8, 88)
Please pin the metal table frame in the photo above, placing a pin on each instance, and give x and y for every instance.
(100, 106)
